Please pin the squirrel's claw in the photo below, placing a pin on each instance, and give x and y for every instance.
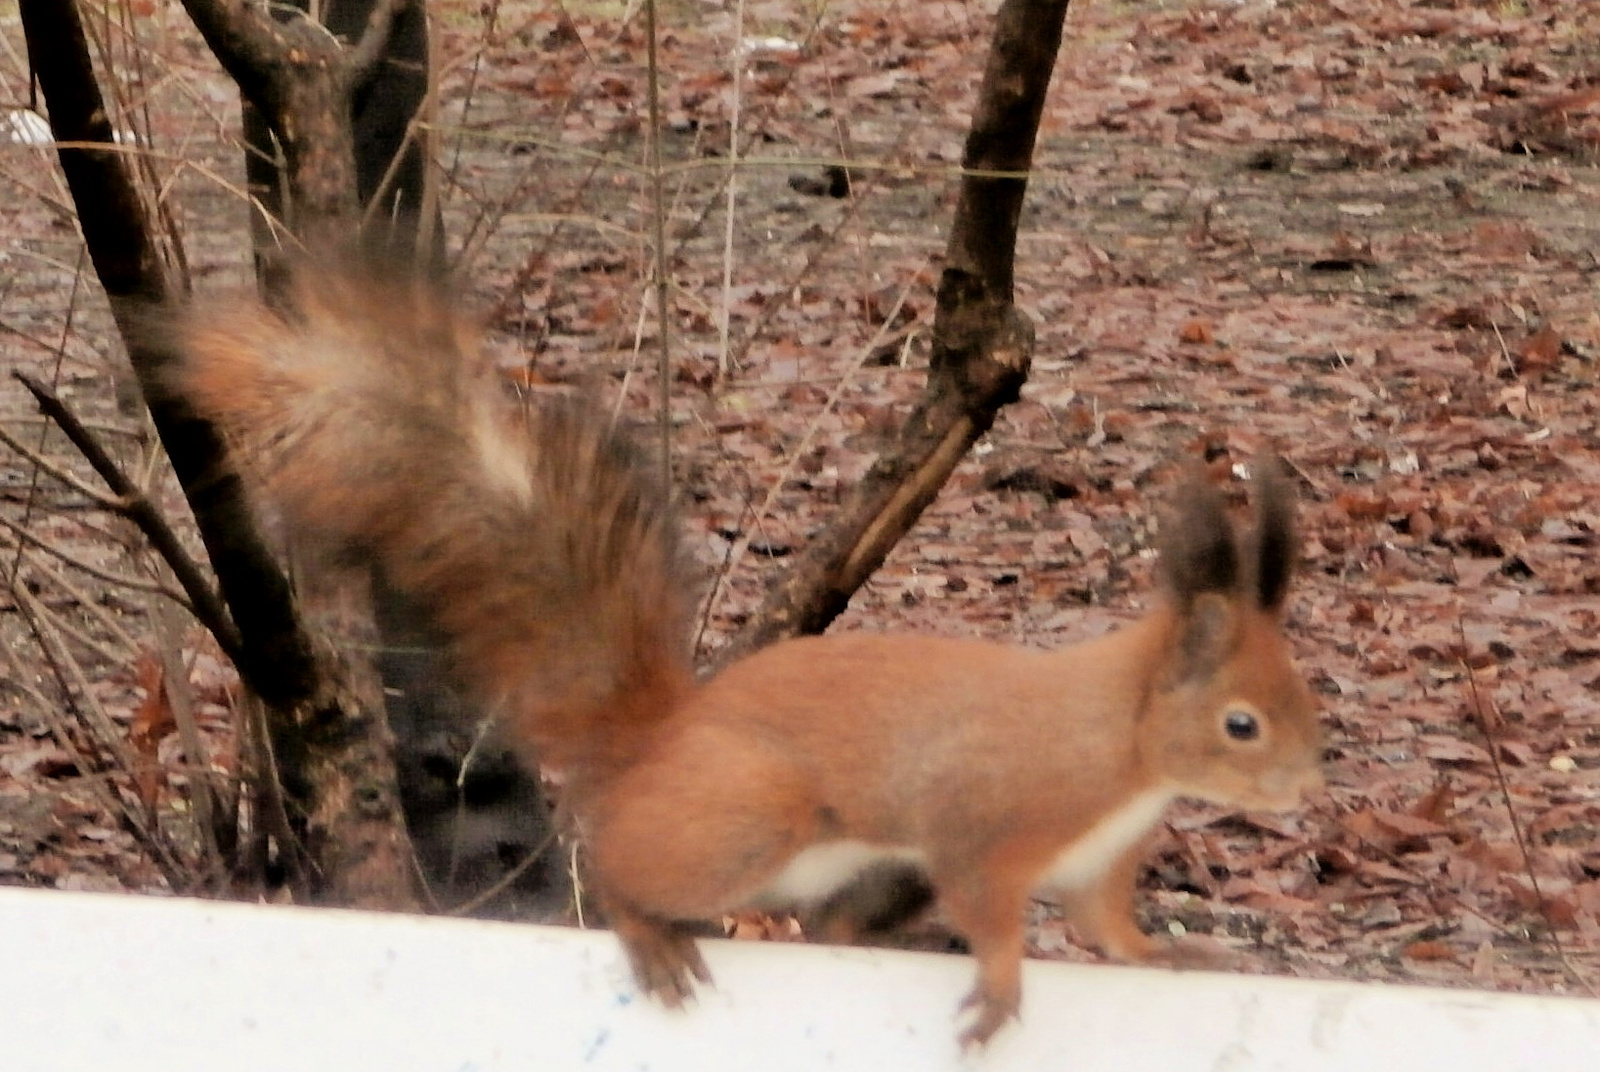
(993, 1013)
(666, 961)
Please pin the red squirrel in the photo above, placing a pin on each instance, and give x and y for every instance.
(537, 541)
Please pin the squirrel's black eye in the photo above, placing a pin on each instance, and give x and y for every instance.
(1242, 725)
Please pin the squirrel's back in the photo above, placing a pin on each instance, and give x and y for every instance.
(533, 535)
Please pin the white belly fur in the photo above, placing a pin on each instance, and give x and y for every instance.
(1082, 863)
(820, 870)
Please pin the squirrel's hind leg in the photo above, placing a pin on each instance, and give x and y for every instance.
(877, 902)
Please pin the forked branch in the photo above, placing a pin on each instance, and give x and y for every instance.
(982, 344)
(135, 505)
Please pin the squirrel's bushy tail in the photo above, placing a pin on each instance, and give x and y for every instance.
(533, 535)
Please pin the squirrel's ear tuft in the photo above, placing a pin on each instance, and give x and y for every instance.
(1199, 552)
(1273, 545)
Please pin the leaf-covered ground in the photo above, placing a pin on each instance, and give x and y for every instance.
(1362, 231)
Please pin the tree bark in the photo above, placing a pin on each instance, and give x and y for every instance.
(301, 80)
(332, 749)
(982, 344)
(449, 780)
(401, 219)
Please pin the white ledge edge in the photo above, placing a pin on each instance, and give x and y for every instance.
(95, 981)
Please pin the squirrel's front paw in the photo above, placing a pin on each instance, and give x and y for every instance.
(666, 963)
(993, 1011)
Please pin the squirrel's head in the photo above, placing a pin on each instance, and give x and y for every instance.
(1230, 719)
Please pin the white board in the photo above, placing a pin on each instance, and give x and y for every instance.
(127, 984)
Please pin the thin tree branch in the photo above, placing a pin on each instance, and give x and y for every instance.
(1481, 708)
(762, 512)
(275, 652)
(658, 212)
(245, 39)
(74, 597)
(75, 689)
(137, 507)
(982, 344)
(362, 60)
(62, 555)
(204, 790)
(63, 476)
(735, 105)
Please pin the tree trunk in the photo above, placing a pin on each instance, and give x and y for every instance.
(321, 724)
(402, 219)
(301, 81)
(451, 782)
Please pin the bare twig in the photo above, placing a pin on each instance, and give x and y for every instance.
(61, 554)
(472, 904)
(794, 285)
(795, 455)
(95, 716)
(363, 59)
(725, 320)
(75, 688)
(203, 796)
(17, 675)
(1505, 352)
(271, 813)
(59, 352)
(723, 570)
(1480, 705)
(138, 508)
(65, 476)
(659, 210)
(88, 605)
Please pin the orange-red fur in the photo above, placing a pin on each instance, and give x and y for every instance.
(530, 533)
(540, 547)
